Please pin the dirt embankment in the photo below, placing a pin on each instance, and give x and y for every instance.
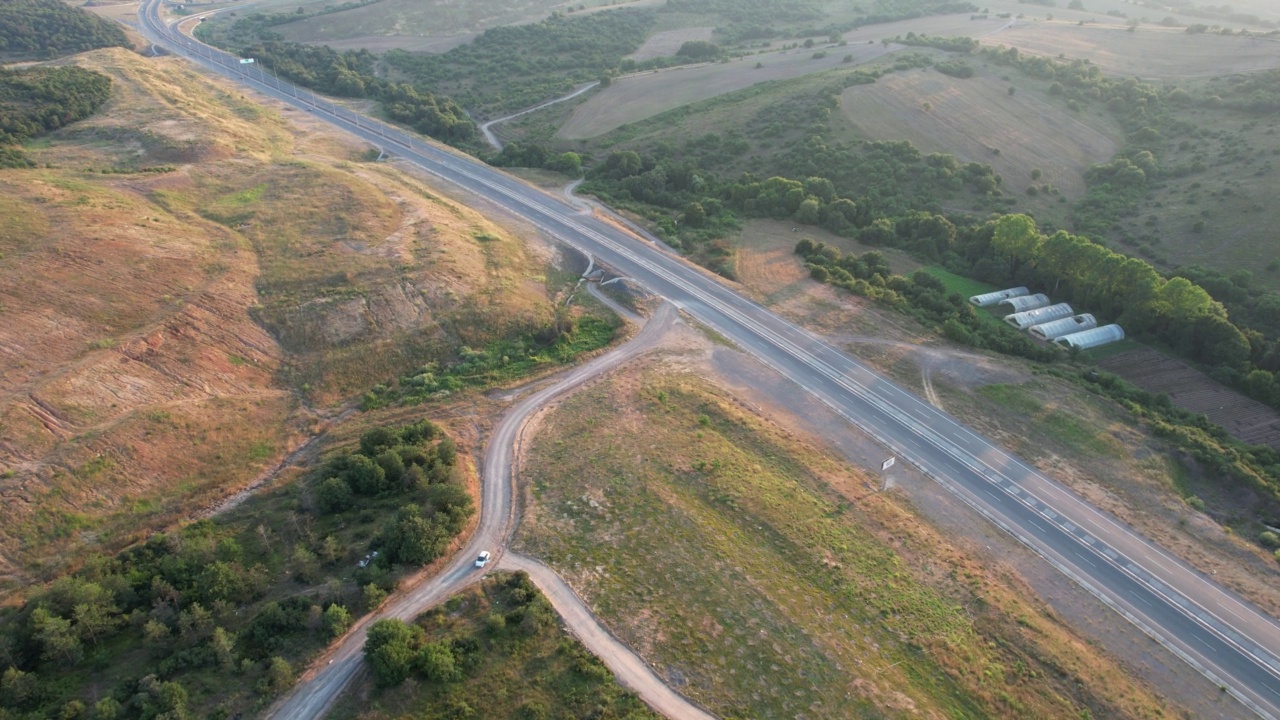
(193, 285)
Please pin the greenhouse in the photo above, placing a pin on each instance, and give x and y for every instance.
(1066, 326)
(991, 298)
(1026, 302)
(1039, 316)
(1092, 338)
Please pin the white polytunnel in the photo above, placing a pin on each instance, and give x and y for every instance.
(1039, 316)
(991, 298)
(1092, 338)
(1026, 302)
(1057, 328)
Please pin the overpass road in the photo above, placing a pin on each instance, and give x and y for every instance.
(1224, 637)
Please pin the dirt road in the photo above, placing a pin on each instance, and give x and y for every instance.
(317, 690)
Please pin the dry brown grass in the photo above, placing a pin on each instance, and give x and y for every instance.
(164, 332)
(743, 563)
(1151, 52)
(668, 42)
(971, 118)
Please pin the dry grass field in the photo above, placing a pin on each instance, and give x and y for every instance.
(1190, 389)
(970, 118)
(170, 335)
(414, 19)
(642, 96)
(1150, 53)
(668, 42)
(759, 575)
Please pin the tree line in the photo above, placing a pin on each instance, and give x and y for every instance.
(514, 67)
(41, 100)
(352, 74)
(212, 619)
(921, 296)
(44, 29)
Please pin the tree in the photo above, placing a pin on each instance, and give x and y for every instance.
(435, 661)
(809, 212)
(223, 644)
(1017, 239)
(279, 675)
(58, 641)
(372, 595)
(392, 465)
(336, 620)
(17, 688)
(389, 650)
(376, 440)
(195, 624)
(695, 216)
(96, 615)
(414, 539)
(365, 476)
(334, 496)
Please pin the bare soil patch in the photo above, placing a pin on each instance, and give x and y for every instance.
(1151, 52)
(1190, 389)
(971, 118)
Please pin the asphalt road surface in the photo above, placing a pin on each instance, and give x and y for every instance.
(1224, 637)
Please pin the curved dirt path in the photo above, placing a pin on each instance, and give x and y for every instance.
(487, 128)
(313, 696)
(625, 664)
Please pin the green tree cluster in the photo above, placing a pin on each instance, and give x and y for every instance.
(40, 100)
(43, 29)
(397, 650)
(514, 67)
(353, 74)
(921, 295)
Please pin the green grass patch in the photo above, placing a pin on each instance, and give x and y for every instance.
(966, 287)
(498, 363)
(1060, 426)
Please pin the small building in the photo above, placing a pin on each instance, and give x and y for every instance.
(991, 298)
(1039, 316)
(1092, 338)
(1026, 302)
(1066, 326)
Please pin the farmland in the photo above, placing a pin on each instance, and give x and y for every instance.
(1151, 52)
(971, 118)
(789, 558)
(634, 98)
(1192, 390)
(642, 96)
(667, 42)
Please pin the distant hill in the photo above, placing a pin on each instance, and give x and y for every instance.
(44, 29)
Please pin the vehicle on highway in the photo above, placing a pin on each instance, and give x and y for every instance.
(483, 559)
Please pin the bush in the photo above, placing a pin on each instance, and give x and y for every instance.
(334, 496)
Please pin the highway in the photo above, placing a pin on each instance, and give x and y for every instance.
(1225, 638)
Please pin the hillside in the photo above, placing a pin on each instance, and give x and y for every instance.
(191, 284)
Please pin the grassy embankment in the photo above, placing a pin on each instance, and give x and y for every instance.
(508, 666)
(764, 579)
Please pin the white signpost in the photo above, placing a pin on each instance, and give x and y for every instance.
(888, 464)
(247, 61)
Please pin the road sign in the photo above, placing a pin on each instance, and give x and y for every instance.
(246, 61)
(888, 464)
